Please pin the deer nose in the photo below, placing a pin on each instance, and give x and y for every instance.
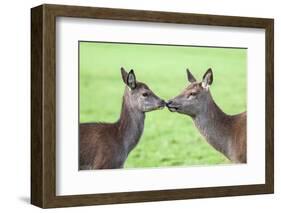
(169, 103)
(163, 103)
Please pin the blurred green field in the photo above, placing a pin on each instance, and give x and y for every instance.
(169, 139)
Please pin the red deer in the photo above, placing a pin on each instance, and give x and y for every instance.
(226, 133)
(107, 145)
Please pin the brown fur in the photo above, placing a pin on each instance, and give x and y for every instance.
(239, 137)
(107, 145)
(96, 150)
(226, 133)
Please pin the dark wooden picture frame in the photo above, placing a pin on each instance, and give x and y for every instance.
(43, 105)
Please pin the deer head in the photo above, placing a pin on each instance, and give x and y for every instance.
(138, 95)
(195, 97)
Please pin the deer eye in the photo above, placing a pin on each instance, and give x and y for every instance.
(191, 95)
(145, 94)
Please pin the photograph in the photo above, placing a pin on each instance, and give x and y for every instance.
(161, 105)
(131, 105)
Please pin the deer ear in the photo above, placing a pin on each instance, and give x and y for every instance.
(131, 80)
(207, 78)
(190, 77)
(124, 75)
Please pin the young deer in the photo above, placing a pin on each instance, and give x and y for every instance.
(226, 133)
(106, 145)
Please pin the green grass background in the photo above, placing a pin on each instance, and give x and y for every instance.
(169, 139)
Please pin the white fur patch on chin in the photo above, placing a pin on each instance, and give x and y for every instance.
(173, 109)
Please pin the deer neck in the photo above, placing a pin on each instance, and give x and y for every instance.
(214, 125)
(130, 124)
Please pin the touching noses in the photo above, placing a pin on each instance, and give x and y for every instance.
(169, 102)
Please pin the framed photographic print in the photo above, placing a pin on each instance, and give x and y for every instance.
(136, 106)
